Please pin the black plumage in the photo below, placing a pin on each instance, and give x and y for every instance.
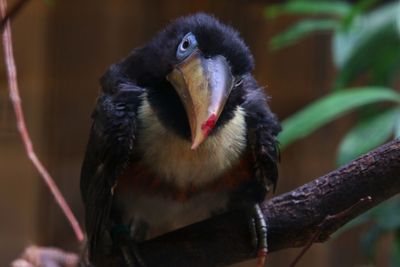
(137, 87)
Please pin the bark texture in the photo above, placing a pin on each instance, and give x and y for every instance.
(312, 211)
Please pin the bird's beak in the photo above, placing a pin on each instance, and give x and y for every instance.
(203, 85)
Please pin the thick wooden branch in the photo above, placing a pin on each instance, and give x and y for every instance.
(321, 206)
(311, 212)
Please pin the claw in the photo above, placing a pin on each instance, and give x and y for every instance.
(128, 247)
(131, 255)
(259, 232)
(261, 257)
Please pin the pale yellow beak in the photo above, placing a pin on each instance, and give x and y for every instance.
(203, 85)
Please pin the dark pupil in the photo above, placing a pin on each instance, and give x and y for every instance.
(185, 44)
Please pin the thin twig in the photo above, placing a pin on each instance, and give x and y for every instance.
(325, 224)
(16, 101)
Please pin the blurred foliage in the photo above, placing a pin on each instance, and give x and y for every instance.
(395, 260)
(365, 46)
(367, 134)
(331, 107)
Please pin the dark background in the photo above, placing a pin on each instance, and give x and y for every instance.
(62, 49)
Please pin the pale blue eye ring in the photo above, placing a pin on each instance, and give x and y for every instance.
(186, 46)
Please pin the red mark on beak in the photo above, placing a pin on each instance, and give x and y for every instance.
(207, 126)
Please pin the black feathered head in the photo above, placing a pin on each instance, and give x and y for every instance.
(190, 66)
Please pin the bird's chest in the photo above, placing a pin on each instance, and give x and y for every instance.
(171, 158)
(165, 214)
(170, 184)
(164, 205)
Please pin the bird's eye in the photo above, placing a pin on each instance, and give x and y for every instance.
(186, 47)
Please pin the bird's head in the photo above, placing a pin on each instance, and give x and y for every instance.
(191, 70)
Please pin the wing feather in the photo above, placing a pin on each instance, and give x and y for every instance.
(110, 146)
(263, 128)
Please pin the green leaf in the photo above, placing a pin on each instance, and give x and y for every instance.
(369, 240)
(369, 45)
(359, 220)
(301, 30)
(379, 56)
(357, 9)
(376, 129)
(336, 8)
(329, 108)
(395, 255)
(382, 215)
(397, 126)
(385, 216)
(364, 28)
(386, 219)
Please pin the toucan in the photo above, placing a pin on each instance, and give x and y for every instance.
(181, 131)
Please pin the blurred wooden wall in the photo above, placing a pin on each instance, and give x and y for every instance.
(63, 48)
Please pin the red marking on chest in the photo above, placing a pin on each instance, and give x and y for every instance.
(207, 126)
(139, 178)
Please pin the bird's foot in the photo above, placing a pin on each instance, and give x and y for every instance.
(258, 228)
(131, 255)
(128, 247)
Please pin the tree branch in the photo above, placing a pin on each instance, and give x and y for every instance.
(294, 218)
(310, 213)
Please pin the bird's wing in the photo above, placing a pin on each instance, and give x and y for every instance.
(111, 143)
(263, 128)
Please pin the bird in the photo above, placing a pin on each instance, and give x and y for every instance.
(180, 131)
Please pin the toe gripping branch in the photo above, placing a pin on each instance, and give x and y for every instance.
(121, 236)
(258, 227)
